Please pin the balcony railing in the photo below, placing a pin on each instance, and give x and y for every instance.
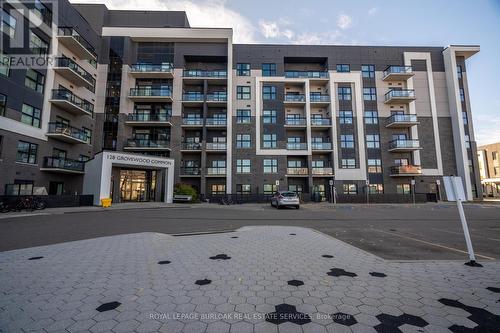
(216, 121)
(295, 121)
(152, 68)
(192, 96)
(404, 144)
(296, 146)
(216, 146)
(297, 171)
(406, 170)
(402, 119)
(217, 97)
(190, 171)
(71, 32)
(204, 73)
(68, 96)
(315, 98)
(192, 121)
(69, 131)
(216, 171)
(148, 143)
(295, 98)
(190, 146)
(149, 117)
(403, 94)
(321, 121)
(325, 171)
(151, 91)
(63, 62)
(307, 74)
(54, 162)
(398, 70)
(321, 145)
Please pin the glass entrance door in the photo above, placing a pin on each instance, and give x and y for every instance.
(137, 185)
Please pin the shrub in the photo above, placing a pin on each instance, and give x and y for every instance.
(186, 189)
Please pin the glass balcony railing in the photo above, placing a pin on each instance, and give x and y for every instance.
(297, 171)
(216, 146)
(66, 95)
(295, 121)
(402, 118)
(295, 98)
(148, 143)
(69, 131)
(404, 144)
(321, 145)
(221, 73)
(192, 96)
(216, 171)
(319, 98)
(296, 146)
(149, 117)
(192, 121)
(325, 171)
(400, 94)
(64, 62)
(217, 97)
(398, 70)
(321, 121)
(54, 162)
(216, 121)
(71, 32)
(152, 68)
(406, 170)
(307, 74)
(190, 171)
(191, 146)
(151, 91)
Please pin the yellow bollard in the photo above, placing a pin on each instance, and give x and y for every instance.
(106, 202)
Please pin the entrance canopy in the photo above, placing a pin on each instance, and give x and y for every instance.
(97, 179)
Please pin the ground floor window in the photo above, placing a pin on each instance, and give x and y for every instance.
(403, 189)
(137, 185)
(376, 189)
(350, 188)
(295, 188)
(270, 188)
(243, 189)
(20, 187)
(56, 188)
(218, 189)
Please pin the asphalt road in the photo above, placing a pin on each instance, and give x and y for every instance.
(398, 232)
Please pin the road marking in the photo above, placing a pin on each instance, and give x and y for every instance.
(460, 233)
(433, 244)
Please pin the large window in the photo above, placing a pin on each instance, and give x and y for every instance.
(347, 141)
(462, 95)
(4, 64)
(243, 166)
(243, 189)
(368, 71)
(269, 116)
(269, 93)
(270, 188)
(459, 71)
(374, 165)
(3, 104)
(268, 69)
(8, 26)
(269, 141)
(243, 116)
(218, 189)
(403, 189)
(270, 166)
(344, 93)
(376, 189)
(348, 163)
(345, 117)
(467, 141)
(243, 141)
(26, 152)
(464, 117)
(34, 80)
(243, 69)
(88, 135)
(343, 68)
(243, 92)
(371, 117)
(38, 45)
(369, 94)
(31, 115)
(350, 189)
(372, 141)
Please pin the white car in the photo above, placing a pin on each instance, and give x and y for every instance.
(285, 199)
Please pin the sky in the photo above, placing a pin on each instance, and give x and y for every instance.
(363, 22)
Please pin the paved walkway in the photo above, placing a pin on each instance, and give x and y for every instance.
(262, 279)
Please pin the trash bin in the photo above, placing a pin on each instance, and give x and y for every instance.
(106, 202)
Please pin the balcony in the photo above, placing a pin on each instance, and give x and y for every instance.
(324, 146)
(147, 145)
(148, 71)
(295, 122)
(217, 98)
(216, 122)
(66, 133)
(322, 171)
(404, 145)
(68, 101)
(306, 75)
(398, 73)
(403, 96)
(205, 74)
(149, 119)
(297, 171)
(151, 94)
(216, 171)
(190, 172)
(192, 98)
(406, 171)
(70, 38)
(72, 72)
(192, 122)
(296, 146)
(402, 121)
(190, 146)
(319, 122)
(216, 146)
(62, 165)
(319, 99)
(294, 99)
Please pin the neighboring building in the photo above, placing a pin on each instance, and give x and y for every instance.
(238, 118)
(489, 168)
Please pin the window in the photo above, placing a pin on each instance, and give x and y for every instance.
(3, 104)
(268, 69)
(343, 68)
(294, 164)
(243, 166)
(401, 162)
(83, 158)
(494, 155)
(464, 118)
(344, 93)
(270, 166)
(368, 71)
(374, 166)
(348, 163)
(467, 141)
(376, 189)
(20, 187)
(347, 141)
(243, 69)
(218, 189)
(243, 116)
(34, 80)
(270, 188)
(38, 45)
(8, 26)
(403, 189)
(459, 71)
(4, 64)
(243, 189)
(345, 117)
(496, 170)
(269, 116)
(369, 94)
(243, 141)
(269, 93)
(462, 95)
(372, 141)
(371, 117)
(26, 152)
(296, 188)
(31, 115)
(243, 92)
(350, 188)
(269, 140)
(88, 135)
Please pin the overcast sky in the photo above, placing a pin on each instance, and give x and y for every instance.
(363, 22)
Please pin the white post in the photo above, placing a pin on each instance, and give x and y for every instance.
(463, 220)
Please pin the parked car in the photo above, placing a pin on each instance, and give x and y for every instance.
(285, 199)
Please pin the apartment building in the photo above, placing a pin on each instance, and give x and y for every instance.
(241, 119)
(489, 169)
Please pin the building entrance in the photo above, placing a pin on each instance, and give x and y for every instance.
(137, 185)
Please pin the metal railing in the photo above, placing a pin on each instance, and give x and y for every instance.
(153, 68)
(398, 70)
(71, 32)
(295, 98)
(404, 144)
(61, 128)
(192, 121)
(321, 145)
(68, 63)
(406, 170)
(66, 95)
(321, 121)
(325, 171)
(190, 171)
(54, 162)
(220, 96)
(148, 143)
(296, 146)
(403, 93)
(146, 117)
(216, 171)
(151, 91)
(295, 121)
(191, 146)
(222, 73)
(216, 146)
(306, 74)
(402, 118)
(216, 121)
(319, 98)
(192, 96)
(297, 171)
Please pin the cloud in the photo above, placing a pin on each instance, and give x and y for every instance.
(372, 11)
(344, 21)
(272, 29)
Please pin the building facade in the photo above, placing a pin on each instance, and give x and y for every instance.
(236, 119)
(489, 169)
